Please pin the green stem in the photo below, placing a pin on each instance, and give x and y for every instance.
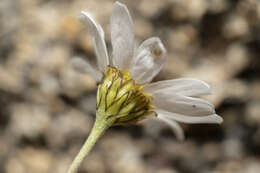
(97, 131)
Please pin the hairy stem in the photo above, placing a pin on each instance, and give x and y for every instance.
(98, 130)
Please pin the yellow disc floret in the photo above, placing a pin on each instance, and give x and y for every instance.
(120, 100)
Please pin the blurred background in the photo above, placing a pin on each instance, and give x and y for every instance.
(48, 108)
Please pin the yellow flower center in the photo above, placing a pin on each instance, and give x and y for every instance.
(120, 100)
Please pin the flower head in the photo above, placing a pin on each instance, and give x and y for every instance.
(125, 94)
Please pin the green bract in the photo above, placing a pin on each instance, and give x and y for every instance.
(120, 100)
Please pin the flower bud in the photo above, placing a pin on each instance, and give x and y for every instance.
(120, 100)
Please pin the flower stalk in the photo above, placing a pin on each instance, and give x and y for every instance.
(97, 131)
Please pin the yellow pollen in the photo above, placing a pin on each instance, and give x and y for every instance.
(126, 75)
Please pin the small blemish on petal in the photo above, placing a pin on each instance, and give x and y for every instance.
(157, 52)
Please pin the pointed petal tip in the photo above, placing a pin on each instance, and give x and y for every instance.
(218, 119)
(117, 3)
(84, 18)
(121, 6)
(215, 119)
(82, 15)
(207, 85)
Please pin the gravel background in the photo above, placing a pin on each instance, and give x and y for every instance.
(48, 108)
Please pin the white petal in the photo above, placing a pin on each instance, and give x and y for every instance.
(148, 61)
(122, 36)
(214, 118)
(182, 86)
(97, 35)
(85, 67)
(182, 104)
(177, 129)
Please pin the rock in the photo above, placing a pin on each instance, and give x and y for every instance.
(152, 8)
(233, 149)
(254, 91)
(67, 126)
(193, 10)
(211, 151)
(218, 6)
(30, 160)
(29, 120)
(253, 112)
(143, 29)
(230, 166)
(235, 27)
(121, 150)
(95, 163)
(182, 38)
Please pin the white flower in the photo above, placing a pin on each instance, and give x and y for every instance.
(170, 100)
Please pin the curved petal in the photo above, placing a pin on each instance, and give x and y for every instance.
(122, 36)
(209, 119)
(177, 129)
(97, 35)
(148, 61)
(182, 86)
(182, 104)
(83, 66)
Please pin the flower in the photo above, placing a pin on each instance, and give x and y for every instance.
(125, 94)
